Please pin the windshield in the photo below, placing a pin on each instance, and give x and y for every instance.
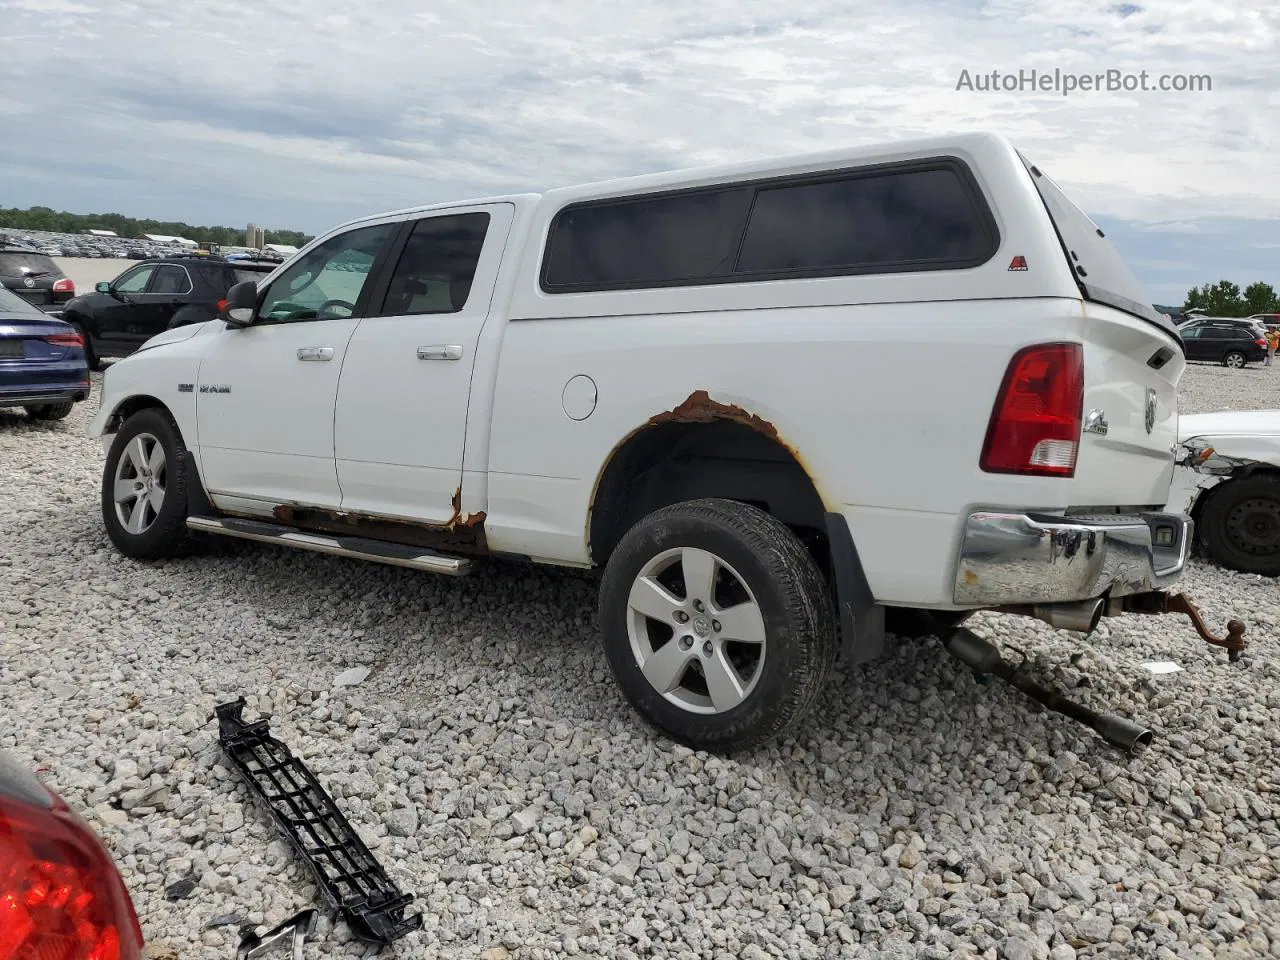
(13, 306)
(20, 263)
(1100, 271)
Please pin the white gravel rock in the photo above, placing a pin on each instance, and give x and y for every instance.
(490, 762)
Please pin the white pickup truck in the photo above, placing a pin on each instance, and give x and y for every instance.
(771, 401)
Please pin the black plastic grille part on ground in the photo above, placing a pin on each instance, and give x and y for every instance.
(353, 882)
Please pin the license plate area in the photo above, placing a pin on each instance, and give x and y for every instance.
(11, 350)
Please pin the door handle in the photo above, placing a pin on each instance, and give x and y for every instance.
(315, 353)
(441, 351)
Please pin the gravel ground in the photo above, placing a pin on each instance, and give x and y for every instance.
(493, 767)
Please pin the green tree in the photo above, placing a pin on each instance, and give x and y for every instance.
(1260, 298)
(44, 218)
(1221, 299)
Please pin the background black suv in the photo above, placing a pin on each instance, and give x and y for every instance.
(1225, 340)
(34, 277)
(156, 295)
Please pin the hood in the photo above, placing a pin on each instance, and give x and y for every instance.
(176, 335)
(1230, 423)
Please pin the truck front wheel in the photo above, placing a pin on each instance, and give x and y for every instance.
(717, 623)
(144, 492)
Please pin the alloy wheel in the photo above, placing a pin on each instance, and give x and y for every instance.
(140, 479)
(696, 630)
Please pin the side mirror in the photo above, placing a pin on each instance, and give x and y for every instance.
(103, 286)
(242, 302)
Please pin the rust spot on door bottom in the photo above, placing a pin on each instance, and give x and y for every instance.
(458, 535)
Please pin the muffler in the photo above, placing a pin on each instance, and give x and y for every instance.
(1081, 615)
(983, 658)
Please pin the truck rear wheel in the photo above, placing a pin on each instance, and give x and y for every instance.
(717, 623)
(1240, 524)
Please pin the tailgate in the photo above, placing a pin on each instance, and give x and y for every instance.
(1130, 412)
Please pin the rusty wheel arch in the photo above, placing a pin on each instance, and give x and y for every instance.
(698, 409)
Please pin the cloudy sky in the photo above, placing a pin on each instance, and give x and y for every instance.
(303, 113)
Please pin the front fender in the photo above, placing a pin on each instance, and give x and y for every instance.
(172, 335)
(160, 373)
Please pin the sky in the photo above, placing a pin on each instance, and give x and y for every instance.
(300, 114)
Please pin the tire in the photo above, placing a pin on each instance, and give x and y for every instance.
(161, 529)
(751, 565)
(50, 411)
(1235, 360)
(90, 355)
(1239, 526)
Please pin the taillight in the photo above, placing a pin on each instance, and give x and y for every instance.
(1261, 341)
(1035, 425)
(221, 305)
(64, 339)
(65, 285)
(61, 897)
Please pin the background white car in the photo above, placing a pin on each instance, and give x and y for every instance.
(1228, 479)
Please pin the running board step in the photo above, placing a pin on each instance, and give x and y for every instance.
(359, 548)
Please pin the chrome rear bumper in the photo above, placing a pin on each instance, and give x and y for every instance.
(1013, 558)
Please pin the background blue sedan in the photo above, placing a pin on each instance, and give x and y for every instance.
(42, 363)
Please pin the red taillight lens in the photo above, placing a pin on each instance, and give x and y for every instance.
(61, 897)
(1261, 341)
(65, 340)
(65, 285)
(1035, 425)
(222, 305)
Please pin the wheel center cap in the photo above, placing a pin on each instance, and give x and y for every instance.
(702, 626)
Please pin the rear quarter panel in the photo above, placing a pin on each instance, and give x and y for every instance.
(882, 385)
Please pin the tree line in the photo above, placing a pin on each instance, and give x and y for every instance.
(1226, 299)
(59, 221)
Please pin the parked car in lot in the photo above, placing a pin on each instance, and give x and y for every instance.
(42, 363)
(1228, 479)
(156, 295)
(34, 276)
(697, 382)
(1231, 342)
(61, 895)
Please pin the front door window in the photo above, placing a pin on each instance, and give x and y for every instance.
(135, 280)
(327, 282)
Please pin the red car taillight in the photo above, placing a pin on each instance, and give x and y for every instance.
(64, 340)
(222, 305)
(61, 897)
(1261, 341)
(1035, 425)
(65, 285)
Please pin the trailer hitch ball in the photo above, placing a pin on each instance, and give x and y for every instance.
(1158, 602)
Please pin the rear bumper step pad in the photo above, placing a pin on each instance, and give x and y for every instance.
(353, 882)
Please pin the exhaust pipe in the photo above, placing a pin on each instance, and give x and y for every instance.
(983, 658)
(1082, 615)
